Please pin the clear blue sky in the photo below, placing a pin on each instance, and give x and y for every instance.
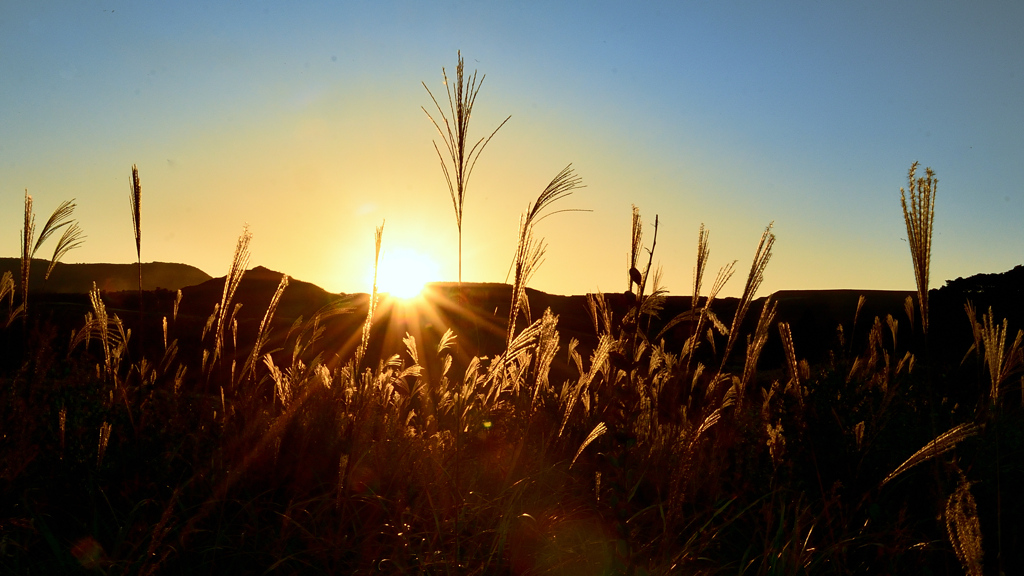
(303, 120)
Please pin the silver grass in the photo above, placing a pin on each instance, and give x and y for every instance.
(455, 135)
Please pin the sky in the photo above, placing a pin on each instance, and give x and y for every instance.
(303, 121)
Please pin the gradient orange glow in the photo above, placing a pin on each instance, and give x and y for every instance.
(307, 125)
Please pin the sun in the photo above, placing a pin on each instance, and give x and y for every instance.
(403, 272)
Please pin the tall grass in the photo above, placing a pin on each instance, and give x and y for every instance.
(135, 200)
(460, 149)
(337, 449)
(530, 249)
(71, 238)
(919, 216)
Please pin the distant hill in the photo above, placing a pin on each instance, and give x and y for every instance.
(78, 278)
(478, 312)
(254, 293)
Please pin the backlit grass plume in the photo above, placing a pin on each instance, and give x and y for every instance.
(919, 216)
(234, 277)
(455, 134)
(940, 445)
(761, 257)
(262, 335)
(963, 527)
(372, 304)
(71, 238)
(1000, 361)
(135, 197)
(530, 250)
(27, 233)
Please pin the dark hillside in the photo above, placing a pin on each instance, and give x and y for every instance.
(79, 278)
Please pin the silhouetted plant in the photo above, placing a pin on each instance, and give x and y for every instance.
(529, 249)
(919, 216)
(69, 240)
(462, 152)
(135, 198)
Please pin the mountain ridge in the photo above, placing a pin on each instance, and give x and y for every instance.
(79, 278)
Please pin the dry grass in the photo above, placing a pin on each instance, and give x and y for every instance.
(109, 331)
(963, 528)
(461, 151)
(762, 255)
(263, 333)
(530, 249)
(135, 200)
(71, 238)
(372, 304)
(940, 445)
(1001, 362)
(239, 262)
(27, 234)
(628, 453)
(919, 216)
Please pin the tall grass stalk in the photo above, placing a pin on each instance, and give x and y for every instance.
(940, 445)
(530, 250)
(371, 305)
(7, 290)
(919, 216)
(135, 202)
(27, 234)
(135, 199)
(239, 262)
(460, 151)
(1000, 361)
(264, 330)
(1001, 364)
(755, 344)
(636, 240)
(963, 528)
(703, 252)
(754, 278)
(110, 332)
(69, 240)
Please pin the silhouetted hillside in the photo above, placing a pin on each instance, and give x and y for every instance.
(78, 278)
(478, 312)
(254, 293)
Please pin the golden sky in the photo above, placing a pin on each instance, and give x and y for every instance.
(303, 121)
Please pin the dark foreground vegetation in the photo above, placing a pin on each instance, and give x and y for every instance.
(256, 425)
(299, 434)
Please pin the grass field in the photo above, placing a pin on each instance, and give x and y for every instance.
(225, 447)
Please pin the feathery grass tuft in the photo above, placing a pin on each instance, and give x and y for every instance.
(636, 239)
(940, 445)
(263, 333)
(703, 252)
(60, 218)
(963, 527)
(372, 304)
(135, 197)
(529, 249)
(71, 238)
(27, 234)
(755, 344)
(455, 136)
(1001, 362)
(761, 257)
(919, 217)
(239, 262)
